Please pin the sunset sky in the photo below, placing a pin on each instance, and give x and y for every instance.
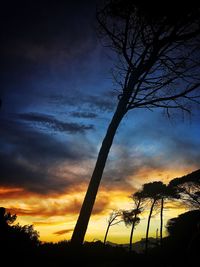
(58, 97)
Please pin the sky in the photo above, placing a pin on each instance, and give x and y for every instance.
(58, 98)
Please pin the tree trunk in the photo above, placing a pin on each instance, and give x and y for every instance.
(131, 236)
(133, 226)
(148, 225)
(108, 227)
(88, 203)
(161, 220)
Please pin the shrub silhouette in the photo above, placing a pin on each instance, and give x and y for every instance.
(16, 237)
(184, 226)
(184, 236)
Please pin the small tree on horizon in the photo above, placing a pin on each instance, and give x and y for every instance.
(154, 192)
(112, 221)
(131, 217)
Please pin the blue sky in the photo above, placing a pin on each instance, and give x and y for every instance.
(58, 97)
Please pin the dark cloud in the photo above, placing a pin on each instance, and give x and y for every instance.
(47, 66)
(90, 102)
(87, 115)
(44, 49)
(51, 62)
(47, 24)
(18, 172)
(102, 103)
(53, 123)
(33, 144)
(29, 159)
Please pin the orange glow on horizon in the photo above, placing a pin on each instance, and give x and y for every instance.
(54, 216)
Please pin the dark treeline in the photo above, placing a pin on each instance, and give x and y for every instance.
(20, 245)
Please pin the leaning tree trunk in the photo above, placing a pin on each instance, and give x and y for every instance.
(133, 226)
(161, 220)
(105, 238)
(88, 203)
(148, 225)
(131, 236)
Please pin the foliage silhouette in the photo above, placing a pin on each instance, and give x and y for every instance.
(184, 226)
(6, 218)
(16, 238)
(188, 187)
(131, 217)
(158, 67)
(167, 192)
(184, 236)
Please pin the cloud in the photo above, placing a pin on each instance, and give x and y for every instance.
(55, 23)
(32, 160)
(48, 223)
(30, 143)
(54, 55)
(48, 208)
(104, 103)
(149, 155)
(51, 122)
(87, 115)
(44, 164)
(127, 172)
(12, 192)
(95, 102)
(62, 232)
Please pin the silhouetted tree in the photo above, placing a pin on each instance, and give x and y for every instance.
(158, 67)
(166, 192)
(188, 187)
(131, 217)
(183, 226)
(112, 221)
(152, 191)
(23, 237)
(6, 219)
(184, 235)
(16, 236)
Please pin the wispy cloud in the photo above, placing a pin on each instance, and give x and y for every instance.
(53, 123)
(91, 102)
(62, 232)
(53, 207)
(87, 115)
(31, 159)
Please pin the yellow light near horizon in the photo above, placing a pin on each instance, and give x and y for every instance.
(58, 213)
